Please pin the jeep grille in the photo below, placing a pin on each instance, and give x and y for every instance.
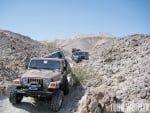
(38, 80)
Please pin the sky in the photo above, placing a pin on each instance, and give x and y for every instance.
(46, 19)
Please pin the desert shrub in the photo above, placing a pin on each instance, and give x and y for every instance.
(85, 74)
(79, 72)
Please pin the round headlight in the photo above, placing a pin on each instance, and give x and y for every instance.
(46, 81)
(24, 80)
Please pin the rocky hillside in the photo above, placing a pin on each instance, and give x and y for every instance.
(16, 50)
(85, 42)
(122, 67)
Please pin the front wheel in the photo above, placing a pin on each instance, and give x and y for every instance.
(77, 60)
(15, 98)
(56, 101)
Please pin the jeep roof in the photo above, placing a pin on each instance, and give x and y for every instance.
(57, 54)
(43, 58)
(75, 49)
(81, 52)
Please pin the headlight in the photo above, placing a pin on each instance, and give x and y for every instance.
(17, 82)
(54, 85)
(46, 81)
(24, 80)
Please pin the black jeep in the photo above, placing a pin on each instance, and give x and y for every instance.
(78, 56)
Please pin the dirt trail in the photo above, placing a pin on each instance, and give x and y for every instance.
(28, 105)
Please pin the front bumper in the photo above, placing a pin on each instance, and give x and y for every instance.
(35, 93)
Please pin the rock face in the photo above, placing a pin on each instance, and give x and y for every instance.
(90, 103)
(124, 68)
(16, 50)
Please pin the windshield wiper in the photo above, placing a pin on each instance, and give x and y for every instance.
(47, 68)
(34, 67)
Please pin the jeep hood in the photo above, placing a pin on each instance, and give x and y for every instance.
(42, 73)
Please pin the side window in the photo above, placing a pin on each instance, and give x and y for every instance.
(59, 55)
(54, 55)
(77, 53)
(62, 55)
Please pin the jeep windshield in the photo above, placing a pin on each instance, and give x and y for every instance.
(82, 53)
(44, 64)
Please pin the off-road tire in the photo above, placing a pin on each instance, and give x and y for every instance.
(77, 61)
(56, 101)
(65, 85)
(15, 98)
(80, 60)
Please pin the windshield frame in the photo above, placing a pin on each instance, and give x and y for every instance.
(45, 64)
